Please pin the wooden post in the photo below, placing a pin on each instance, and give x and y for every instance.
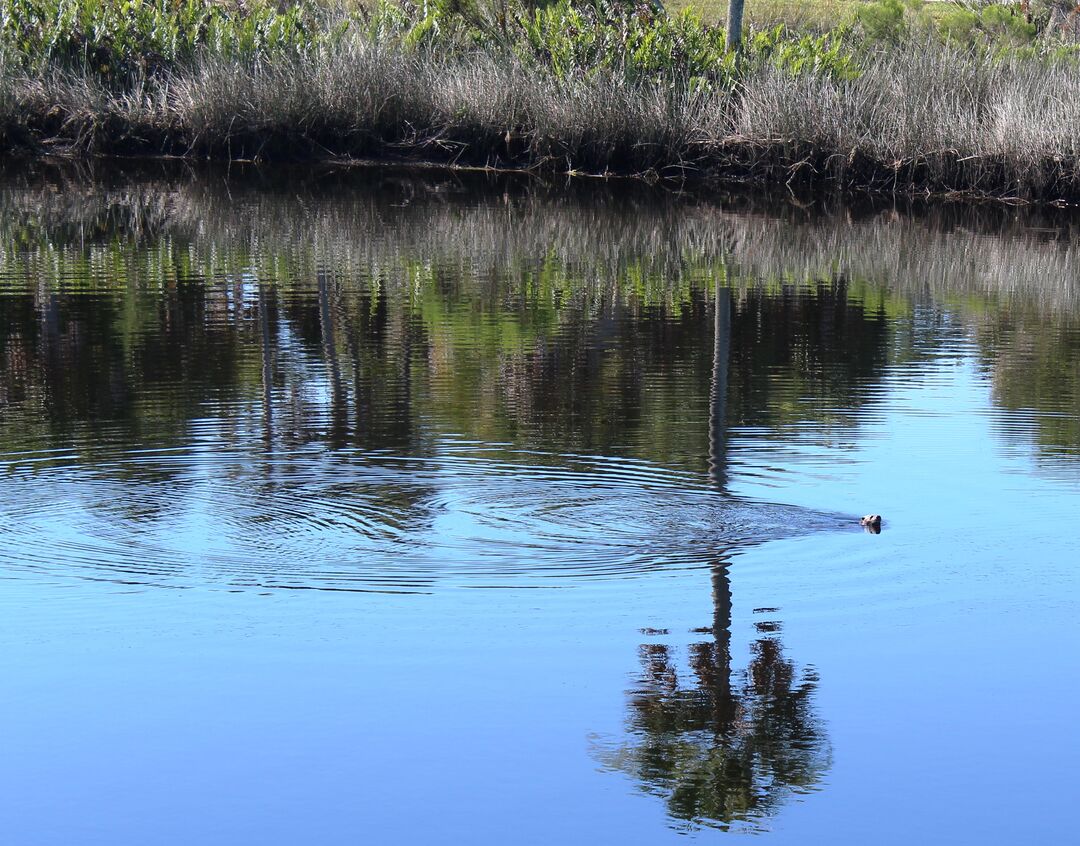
(734, 23)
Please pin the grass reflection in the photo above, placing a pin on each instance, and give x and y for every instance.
(579, 318)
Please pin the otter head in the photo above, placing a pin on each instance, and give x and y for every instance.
(871, 522)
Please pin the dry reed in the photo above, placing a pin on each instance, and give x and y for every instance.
(919, 118)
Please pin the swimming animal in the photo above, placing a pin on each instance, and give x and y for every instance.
(871, 522)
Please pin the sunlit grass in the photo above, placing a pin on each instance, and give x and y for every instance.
(811, 15)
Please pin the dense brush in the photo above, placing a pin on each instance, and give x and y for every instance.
(599, 87)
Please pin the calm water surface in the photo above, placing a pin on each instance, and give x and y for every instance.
(398, 508)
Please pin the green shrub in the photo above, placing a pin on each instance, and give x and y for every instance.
(826, 55)
(116, 37)
(958, 24)
(639, 43)
(994, 26)
(635, 41)
(883, 20)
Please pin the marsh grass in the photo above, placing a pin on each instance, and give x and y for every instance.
(936, 118)
(640, 93)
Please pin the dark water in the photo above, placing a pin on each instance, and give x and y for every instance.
(390, 507)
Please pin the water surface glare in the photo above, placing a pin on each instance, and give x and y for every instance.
(422, 508)
(221, 513)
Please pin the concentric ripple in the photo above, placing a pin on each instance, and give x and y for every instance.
(312, 518)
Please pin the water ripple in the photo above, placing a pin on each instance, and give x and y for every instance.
(350, 520)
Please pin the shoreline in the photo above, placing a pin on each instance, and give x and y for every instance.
(580, 88)
(710, 177)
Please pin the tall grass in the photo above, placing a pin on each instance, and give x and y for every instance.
(596, 87)
(933, 118)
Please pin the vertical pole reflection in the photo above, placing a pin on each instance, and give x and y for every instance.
(267, 366)
(403, 394)
(721, 747)
(713, 661)
(339, 412)
(718, 390)
(719, 655)
(404, 402)
(352, 343)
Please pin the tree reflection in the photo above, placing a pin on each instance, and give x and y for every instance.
(722, 748)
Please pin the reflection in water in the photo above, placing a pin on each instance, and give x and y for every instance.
(722, 749)
(718, 390)
(236, 384)
(507, 275)
(361, 392)
(230, 438)
(1034, 367)
(265, 345)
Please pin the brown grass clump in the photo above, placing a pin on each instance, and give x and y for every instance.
(932, 119)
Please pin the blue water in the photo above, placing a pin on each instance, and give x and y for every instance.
(544, 598)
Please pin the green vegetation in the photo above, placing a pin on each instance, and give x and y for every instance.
(485, 288)
(117, 37)
(894, 95)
